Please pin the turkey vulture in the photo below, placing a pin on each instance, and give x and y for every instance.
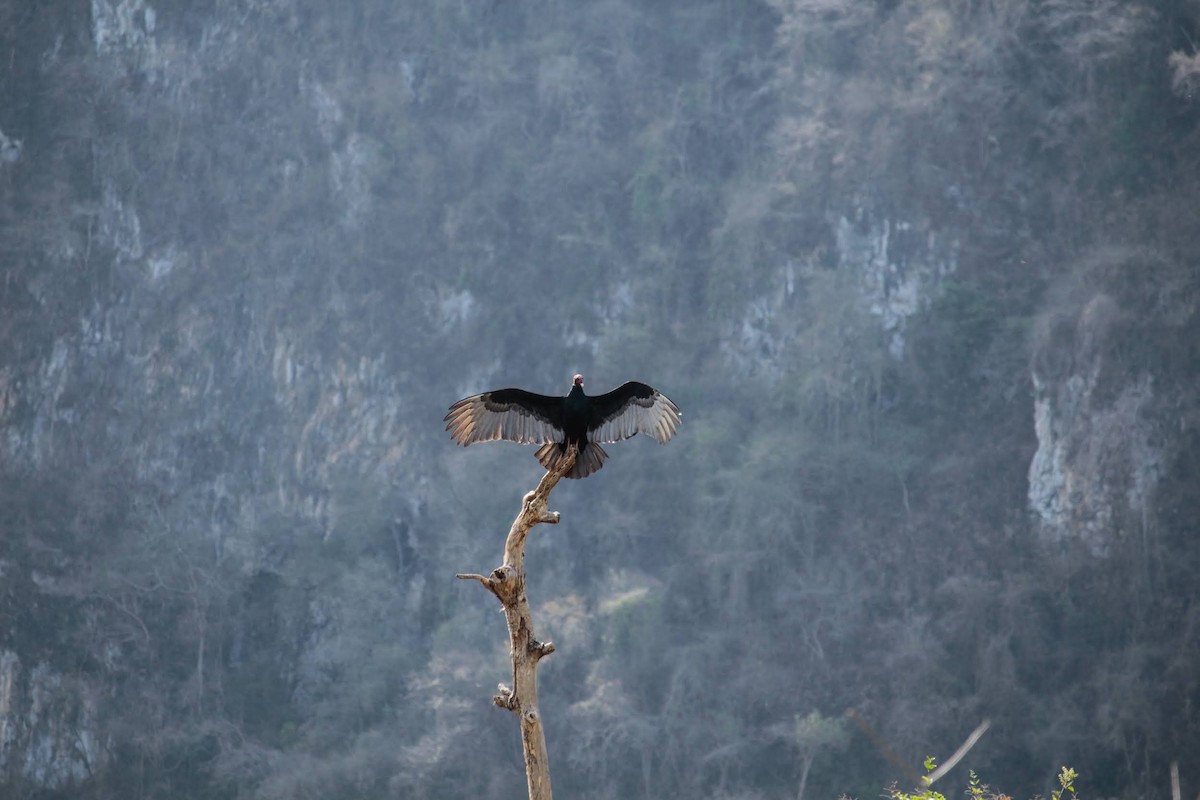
(555, 422)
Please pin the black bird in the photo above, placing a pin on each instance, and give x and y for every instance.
(555, 422)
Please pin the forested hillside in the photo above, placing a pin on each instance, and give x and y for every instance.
(921, 274)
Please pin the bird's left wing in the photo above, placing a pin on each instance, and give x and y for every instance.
(514, 415)
(630, 409)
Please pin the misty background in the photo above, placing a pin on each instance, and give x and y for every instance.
(922, 276)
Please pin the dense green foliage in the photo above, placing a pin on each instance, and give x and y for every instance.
(251, 251)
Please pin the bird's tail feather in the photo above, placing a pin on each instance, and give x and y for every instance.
(590, 458)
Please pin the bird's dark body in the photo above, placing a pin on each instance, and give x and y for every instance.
(577, 412)
(556, 422)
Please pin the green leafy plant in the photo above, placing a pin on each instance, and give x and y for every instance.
(926, 791)
(1066, 783)
(977, 789)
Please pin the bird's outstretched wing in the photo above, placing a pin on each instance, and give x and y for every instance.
(514, 415)
(630, 409)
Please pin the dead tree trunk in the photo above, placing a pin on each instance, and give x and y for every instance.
(507, 582)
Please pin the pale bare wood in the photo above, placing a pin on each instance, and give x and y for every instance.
(959, 753)
(507, 583)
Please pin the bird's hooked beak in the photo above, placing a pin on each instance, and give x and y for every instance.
(578, 380)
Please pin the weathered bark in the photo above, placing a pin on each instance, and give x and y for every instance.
(507, 582)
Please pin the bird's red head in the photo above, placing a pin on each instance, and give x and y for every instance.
(577, 380)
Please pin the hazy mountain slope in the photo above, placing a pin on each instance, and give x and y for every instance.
(921, 275)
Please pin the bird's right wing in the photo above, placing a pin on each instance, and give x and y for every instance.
(630, 409)
(514, 415)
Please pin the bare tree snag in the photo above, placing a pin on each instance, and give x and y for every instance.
(507, 582)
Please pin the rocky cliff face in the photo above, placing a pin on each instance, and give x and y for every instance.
(903, 265)
(1111, 396)
(1086, 450)
(50, 734)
